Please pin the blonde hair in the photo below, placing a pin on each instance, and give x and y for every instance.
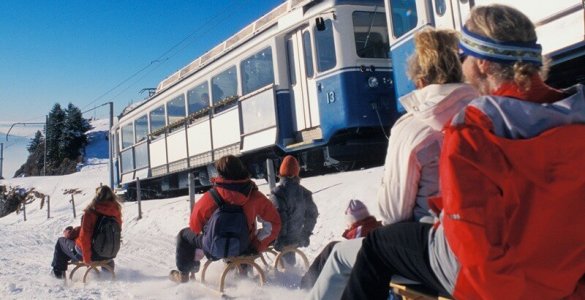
(436, 59)
(506, 24)
(103, 194)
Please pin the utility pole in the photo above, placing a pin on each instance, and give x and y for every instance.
(1, 158)
(111, 145)
(45, 145)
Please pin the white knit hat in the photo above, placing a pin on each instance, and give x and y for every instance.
(356, 211)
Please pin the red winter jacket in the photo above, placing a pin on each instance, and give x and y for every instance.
(361, 228)
(243, 193)
(88, 221)
(513, 209)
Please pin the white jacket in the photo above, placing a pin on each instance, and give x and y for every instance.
(411, 171)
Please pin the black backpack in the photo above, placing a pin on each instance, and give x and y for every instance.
(226, 233)
(106, 238)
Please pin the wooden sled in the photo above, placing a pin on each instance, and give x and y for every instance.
(413, 292)
(289, 249)
(93, 266)
(235, 263)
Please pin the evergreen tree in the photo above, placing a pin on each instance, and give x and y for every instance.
(73, 137)
(54, 132)
(35, 142)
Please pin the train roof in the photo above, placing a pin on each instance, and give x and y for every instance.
(232, 42)
(236, 40)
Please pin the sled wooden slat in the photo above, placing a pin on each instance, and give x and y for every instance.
(410, 292)
(92, 266)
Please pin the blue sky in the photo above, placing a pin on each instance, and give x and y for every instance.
(86, 52)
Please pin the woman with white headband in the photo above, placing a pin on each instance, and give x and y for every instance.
(512, 181)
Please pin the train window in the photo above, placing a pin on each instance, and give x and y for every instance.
(371, 34)
(308, 52)
(127, 162)
(157, 121)
(176, 109)
(198, 98)
(257, 71)
(224, 88)
(141, 128)
(404, 16)
(290, 55)
(141, 156)
(440, 7)
(325, 45)
(127, 136)
(258, 112)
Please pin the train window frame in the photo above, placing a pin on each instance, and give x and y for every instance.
(127, 135)
(140, 135)
(178, 117)
(308, 53)
(141, 159)
(440, 7)
(252, 61)
(196, 96)
(290, 59)
(324, 46)
(159, 130)
(396, 17)
(382, 47)
(223, 102)
(127, 160)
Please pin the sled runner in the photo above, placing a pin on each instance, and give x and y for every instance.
(278, 262)
(236, 262)
(413, 292)
(93, 266)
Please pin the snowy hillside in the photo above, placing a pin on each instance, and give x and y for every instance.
(147, 253)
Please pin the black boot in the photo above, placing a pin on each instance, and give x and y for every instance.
(58, 274)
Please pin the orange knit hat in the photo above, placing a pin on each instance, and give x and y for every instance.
(289, 167)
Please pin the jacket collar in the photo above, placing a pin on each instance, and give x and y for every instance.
(244, 186)
(539, 92)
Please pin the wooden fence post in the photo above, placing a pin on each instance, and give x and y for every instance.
(73, 203)
(270, 176)
(191, 191)
(24, 210)
(48, 207)
(138, 198)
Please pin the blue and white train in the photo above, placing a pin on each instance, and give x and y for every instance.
(317, 79)
(311, 78)
(560, 27)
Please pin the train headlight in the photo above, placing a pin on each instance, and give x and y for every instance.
(373, 82)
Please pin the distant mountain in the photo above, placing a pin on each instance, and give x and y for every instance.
(15, 153)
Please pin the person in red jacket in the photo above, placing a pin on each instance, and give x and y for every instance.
(75, 244)
(235, 187)
(512, 183)
(360, 223)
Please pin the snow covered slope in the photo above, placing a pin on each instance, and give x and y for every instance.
(148, 246)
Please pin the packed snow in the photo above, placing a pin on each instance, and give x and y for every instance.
(148, 246)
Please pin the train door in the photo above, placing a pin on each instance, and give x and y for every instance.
(405, 18)
(301, 71)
